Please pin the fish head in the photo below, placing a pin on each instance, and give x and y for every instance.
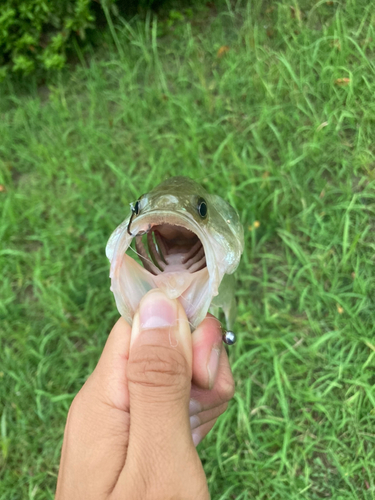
(186, 240)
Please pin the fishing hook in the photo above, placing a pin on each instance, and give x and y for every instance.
(130, 221)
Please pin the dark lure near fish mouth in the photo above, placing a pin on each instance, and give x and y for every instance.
(170, 248)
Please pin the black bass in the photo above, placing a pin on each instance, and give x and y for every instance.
(188, 241)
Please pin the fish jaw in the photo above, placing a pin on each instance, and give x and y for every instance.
(130, 281)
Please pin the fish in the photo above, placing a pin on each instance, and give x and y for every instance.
(183, 240)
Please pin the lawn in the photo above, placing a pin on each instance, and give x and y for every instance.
(269, 105)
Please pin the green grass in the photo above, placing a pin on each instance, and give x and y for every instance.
(268, 128)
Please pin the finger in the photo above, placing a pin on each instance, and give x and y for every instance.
(207, 346)
(202, 431)
(96, 433)
(222, 391)
(109, 376)
(159, 375)
(205, 416)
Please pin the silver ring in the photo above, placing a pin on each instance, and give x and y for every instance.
(229, 337)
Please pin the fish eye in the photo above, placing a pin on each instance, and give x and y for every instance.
(202, 208)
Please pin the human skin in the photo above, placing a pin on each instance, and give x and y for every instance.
(156, 391)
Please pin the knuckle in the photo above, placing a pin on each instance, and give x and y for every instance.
(226, 389)
(76, 410)
(223, 408)
(158, 366)
(79, 401)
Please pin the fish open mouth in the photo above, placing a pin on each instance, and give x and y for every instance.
(173, 253)
(171, 241)
(166, 248)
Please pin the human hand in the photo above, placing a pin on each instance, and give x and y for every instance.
(128, 433)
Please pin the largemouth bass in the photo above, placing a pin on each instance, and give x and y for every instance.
(187, 240)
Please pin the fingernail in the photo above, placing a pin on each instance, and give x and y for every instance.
(213, 366)
(195, 422)
(194, 407)
(157, 311)
(196, 438)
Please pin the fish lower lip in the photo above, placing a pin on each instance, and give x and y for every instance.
(170, 248)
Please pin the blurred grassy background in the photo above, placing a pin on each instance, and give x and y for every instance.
(271, 106)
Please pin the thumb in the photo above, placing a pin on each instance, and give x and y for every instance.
(159, 373)
(161, 460)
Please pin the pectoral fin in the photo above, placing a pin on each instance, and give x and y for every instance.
(226, 300)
